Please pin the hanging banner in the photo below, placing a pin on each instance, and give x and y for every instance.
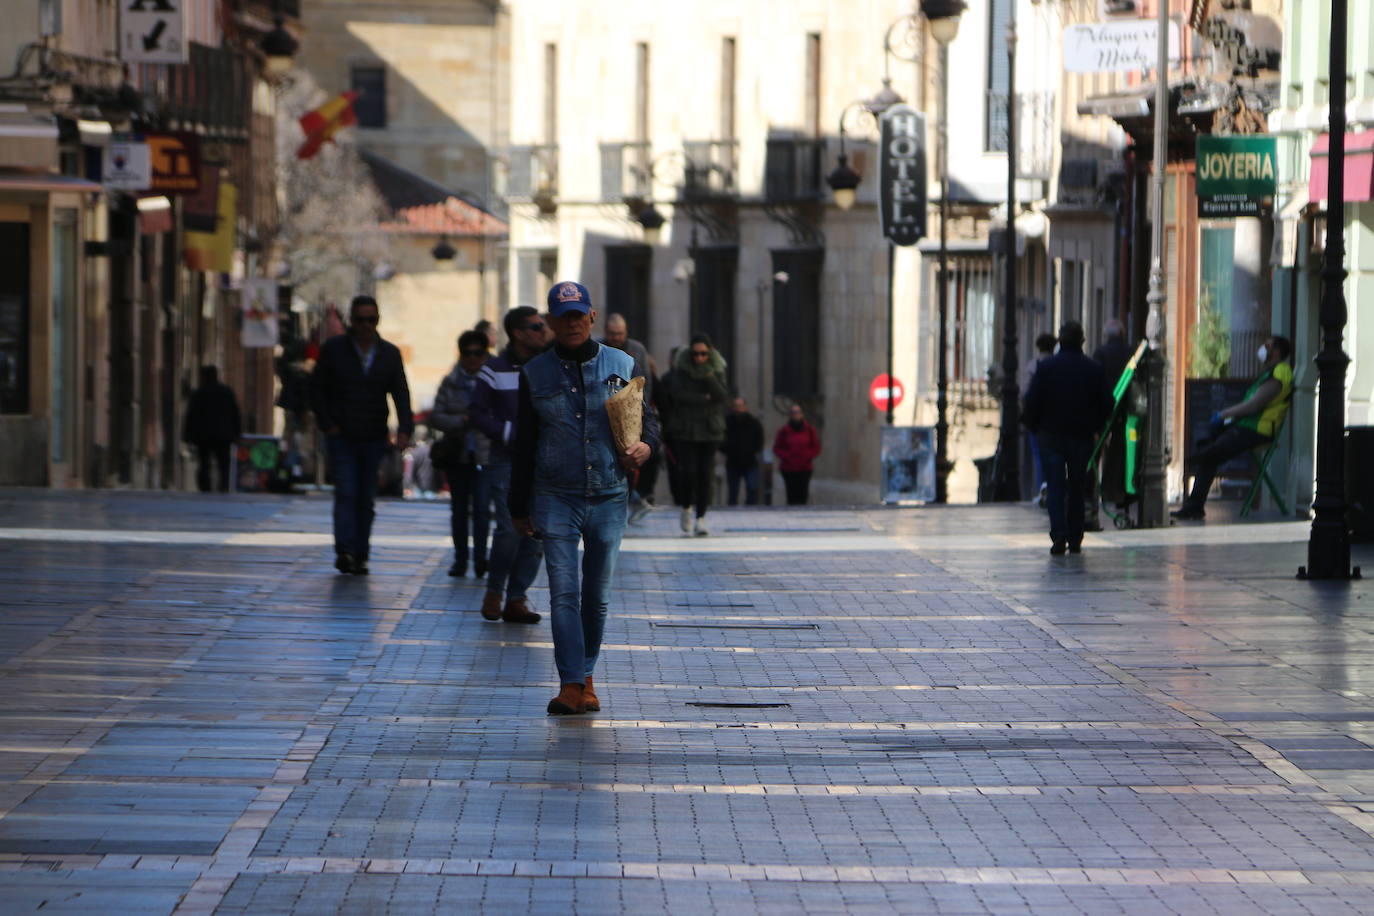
(902, 175)
(260, 327)
(1236, 175)
(128, 164)
(215, 250)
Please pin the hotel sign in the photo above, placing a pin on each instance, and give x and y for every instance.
(1236, 176)
(902, 175)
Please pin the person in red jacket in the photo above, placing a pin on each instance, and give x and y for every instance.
(796, 446)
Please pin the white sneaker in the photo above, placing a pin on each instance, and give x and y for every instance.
(685, 519)
(638, 512)
(701, 529)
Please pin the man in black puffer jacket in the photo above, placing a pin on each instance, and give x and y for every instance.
(348, 392)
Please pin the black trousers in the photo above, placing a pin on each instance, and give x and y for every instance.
(798, 485)
(217, 452)
(696, 466)
(1233, 441)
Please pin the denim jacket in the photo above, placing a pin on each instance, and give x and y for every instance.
(575, 451)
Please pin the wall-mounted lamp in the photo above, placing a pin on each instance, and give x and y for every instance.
(652, 221)
(278, 45)
(443, 251)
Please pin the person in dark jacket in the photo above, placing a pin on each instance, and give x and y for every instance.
(495, 411)
(212, 426)
(795, 447)
(743, 442)
(697, 423)
(1113, 353)
(348, 391)
(1066, 405)
(463, 455)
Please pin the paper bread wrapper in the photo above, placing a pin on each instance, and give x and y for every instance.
(625, 409)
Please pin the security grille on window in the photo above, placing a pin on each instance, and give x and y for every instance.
(972, 316)
(370, 84)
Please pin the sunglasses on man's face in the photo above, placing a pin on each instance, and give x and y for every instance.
(534, 326)
(364, 319)
(474, 352)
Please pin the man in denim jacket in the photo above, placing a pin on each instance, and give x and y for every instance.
(569, 483)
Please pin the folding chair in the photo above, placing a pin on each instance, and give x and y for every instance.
(1262, 477)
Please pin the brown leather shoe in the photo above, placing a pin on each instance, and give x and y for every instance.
(491, 606)
(589, 701)
(518, 611)
(569, 701)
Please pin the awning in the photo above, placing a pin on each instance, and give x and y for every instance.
(154, 214)
(1358, 171)
(12, 179)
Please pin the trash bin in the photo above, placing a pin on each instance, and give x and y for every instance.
(1359, 486)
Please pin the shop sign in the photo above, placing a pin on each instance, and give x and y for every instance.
(902, 175)
(128, 164)
(1124, 45)
(1236, 176)
(153, 31)
(175, 162)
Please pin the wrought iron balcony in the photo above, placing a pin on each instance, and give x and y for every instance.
(793, 169)
(532, 172)
(710, 170)
(625, 172)
(1035, 131)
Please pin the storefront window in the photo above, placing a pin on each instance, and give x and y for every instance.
(14, 318)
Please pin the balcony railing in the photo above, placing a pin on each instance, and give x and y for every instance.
(1034, 131)
(711, 169)
(625, 171)
(532, 171)
(792, 169)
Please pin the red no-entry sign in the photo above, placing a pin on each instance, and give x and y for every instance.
(882, 388)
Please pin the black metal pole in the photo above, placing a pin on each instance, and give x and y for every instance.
(1328, 548)
(942, 353)
(1008, 479)
(891, 382)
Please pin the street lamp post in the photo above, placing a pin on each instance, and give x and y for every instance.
(1007, 473)
(944, 26)
(1328, 546)
(1154, 498)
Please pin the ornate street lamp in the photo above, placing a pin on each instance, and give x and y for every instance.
(652, 222)
(843, 179)
(943, 16)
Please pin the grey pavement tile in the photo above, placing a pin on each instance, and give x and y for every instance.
(98, 893)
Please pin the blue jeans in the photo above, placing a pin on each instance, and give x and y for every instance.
(1065, 460)
(355, 491)
(750, 476)
(578, 610)
(470, 488)
(514, 560)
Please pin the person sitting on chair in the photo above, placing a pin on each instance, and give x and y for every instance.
(1244, 426)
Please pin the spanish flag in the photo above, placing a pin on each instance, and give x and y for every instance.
(326, 121)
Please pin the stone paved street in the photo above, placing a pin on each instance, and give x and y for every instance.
(812, 710)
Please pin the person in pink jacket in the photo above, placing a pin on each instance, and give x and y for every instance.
(796, 446)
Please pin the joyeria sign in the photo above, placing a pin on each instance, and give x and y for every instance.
(902, 175)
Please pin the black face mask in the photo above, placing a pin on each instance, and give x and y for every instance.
(795, 424)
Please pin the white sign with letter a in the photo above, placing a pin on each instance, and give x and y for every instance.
(152, 31)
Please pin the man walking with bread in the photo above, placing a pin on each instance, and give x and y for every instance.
(570, 480)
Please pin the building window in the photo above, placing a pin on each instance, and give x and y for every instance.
(727, 89)
(550, 94)
(812, 113)
(14, 318)
(998, 81)
(972, 321)
(370, 107)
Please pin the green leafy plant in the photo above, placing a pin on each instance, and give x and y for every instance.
(1210, 352)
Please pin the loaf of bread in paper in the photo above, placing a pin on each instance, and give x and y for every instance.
(625, 409)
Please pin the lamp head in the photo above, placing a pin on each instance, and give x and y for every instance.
(943, 16)
(443, 251)
(843, 180)
(651, 221)
(279, 48)
(883, 99)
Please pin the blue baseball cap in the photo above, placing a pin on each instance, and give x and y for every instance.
(568, 297)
